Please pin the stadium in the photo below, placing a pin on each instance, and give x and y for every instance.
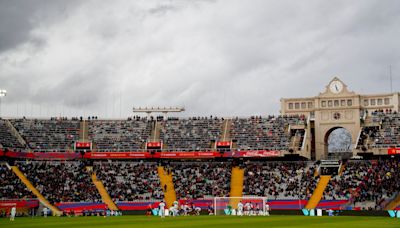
(209, 166)
(199, 114)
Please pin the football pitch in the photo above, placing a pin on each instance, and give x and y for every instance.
(203, 221)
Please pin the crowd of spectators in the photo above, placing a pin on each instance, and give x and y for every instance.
(259, 133)
(48, 135)
(366, 181)
(130, 181)
(120, 135)
(194, 180)
(10, 185)
(61, 181)
(177, 134)
(373, 182)
(389, 134)
(196, 133)
(280, 180)
(386, 134)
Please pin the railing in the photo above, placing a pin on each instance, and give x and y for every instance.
(304, 141)
(358, 139)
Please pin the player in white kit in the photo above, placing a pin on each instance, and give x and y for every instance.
(162, 209)
(240, 209)
(247, 208)
(267, 209)
(45, 212)
(12, 213)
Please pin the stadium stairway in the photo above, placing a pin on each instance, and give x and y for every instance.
(318, 192)
(105, 197)
(84, 131)
(169, 192)
(155, 132)
(394, 203)
(226, 129)
(16, 133)
(30, 186)
(237, 180)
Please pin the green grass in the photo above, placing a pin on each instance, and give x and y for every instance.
(203, 221)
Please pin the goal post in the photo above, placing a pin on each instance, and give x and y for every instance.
(229, 205)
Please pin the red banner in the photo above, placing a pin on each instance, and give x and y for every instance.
(194, 154)
(117, 155)
(44, 155)
(154, 145)
(83, 145)
(19, 203)
(224, 144)
(256, 153)
(141, 155)
(393, 151)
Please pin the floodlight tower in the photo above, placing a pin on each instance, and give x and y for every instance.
(3, 93)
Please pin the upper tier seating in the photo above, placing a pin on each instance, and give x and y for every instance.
(258, 133)
(120, 135)
(386, 135)
(7, 139)
(48, 135)
(190, 134)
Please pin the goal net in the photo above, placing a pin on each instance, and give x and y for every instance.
(240, 206)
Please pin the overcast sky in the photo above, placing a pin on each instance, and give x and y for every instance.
(222, 58)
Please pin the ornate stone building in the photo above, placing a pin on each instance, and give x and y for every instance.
(336, 107)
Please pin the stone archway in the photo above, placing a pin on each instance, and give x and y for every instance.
(338, 142)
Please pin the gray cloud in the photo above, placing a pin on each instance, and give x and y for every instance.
(214, 57)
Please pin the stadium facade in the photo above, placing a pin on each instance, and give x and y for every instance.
(338, 107)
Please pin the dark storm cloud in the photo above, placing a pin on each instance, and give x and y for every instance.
(15, 23)
(18, 17)
(213, 57)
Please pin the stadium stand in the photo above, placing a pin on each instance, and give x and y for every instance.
(280, 180)
(120, 135)
(7, 139)
(61, 181)
(389, 134)
(130, 181)
(366, 183)
(258, 133)
(194, 180)
(193, 134)
(384, 134)
(11, 187)
(48, 135)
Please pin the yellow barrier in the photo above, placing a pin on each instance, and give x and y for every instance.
(394, 203)
(103, 193)
(167, 185)
(30, 186)
(318, 192)
(237, 179)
